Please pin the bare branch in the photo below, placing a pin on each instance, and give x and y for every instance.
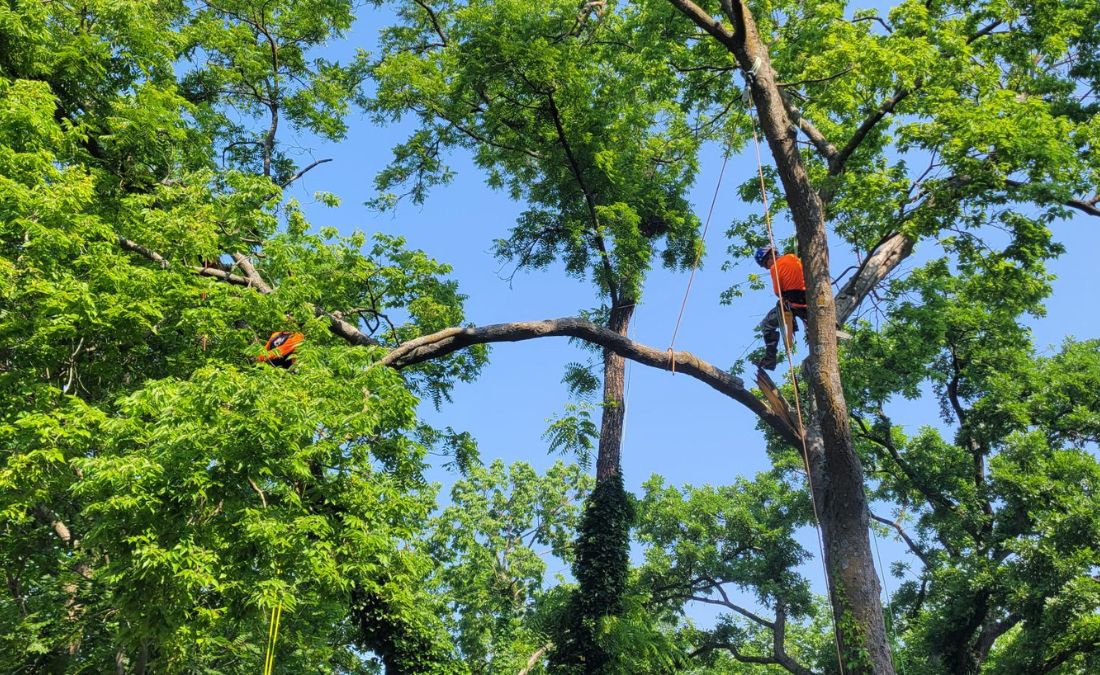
(826, 149)
(885, 257)
(732, 649)
(143, 251)
(253, 276)
(717, 586)
(453, 339)
(303, 172)
(708, 23)
(1083, 205)
(823, 146)
(729, 605)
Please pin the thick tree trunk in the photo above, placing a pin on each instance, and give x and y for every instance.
(614, 404)
(843, 508)
(840, 503)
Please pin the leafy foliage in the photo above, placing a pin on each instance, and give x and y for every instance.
(494, 573)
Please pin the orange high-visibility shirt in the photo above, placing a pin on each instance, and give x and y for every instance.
(787, 274)
(279, 350)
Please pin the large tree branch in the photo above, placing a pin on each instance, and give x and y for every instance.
(886, 256)
(535, 659)
(726, 602)
(451, 340)
(144, 252)
(47, 516)
(990, 632)
(1087, 206)
(254, 278)
(732, 649)
(838, 163)
(708, 23)
(897, 246)
(779, 638)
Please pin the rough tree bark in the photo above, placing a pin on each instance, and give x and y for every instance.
(840, 500)
(609, 452)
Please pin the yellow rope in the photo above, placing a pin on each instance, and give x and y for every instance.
(272, 636)
(797, 394)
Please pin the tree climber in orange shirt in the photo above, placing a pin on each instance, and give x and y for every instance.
(790, 286)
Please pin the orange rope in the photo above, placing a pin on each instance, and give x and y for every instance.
(794, 381)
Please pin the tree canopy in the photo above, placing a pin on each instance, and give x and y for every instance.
(163, 493)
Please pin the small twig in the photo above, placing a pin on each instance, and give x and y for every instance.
(814, 80)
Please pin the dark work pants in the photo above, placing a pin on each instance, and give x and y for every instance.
(770, 327)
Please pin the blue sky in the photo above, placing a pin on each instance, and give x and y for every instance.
(675, 426)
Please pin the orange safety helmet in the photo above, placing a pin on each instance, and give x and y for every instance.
(279, 350)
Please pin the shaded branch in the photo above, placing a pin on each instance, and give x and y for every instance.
(913, 546)
(732, 649)
(990, 632)
(1087, 206)
(589, 198)
(303, 172)
(838, 163)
